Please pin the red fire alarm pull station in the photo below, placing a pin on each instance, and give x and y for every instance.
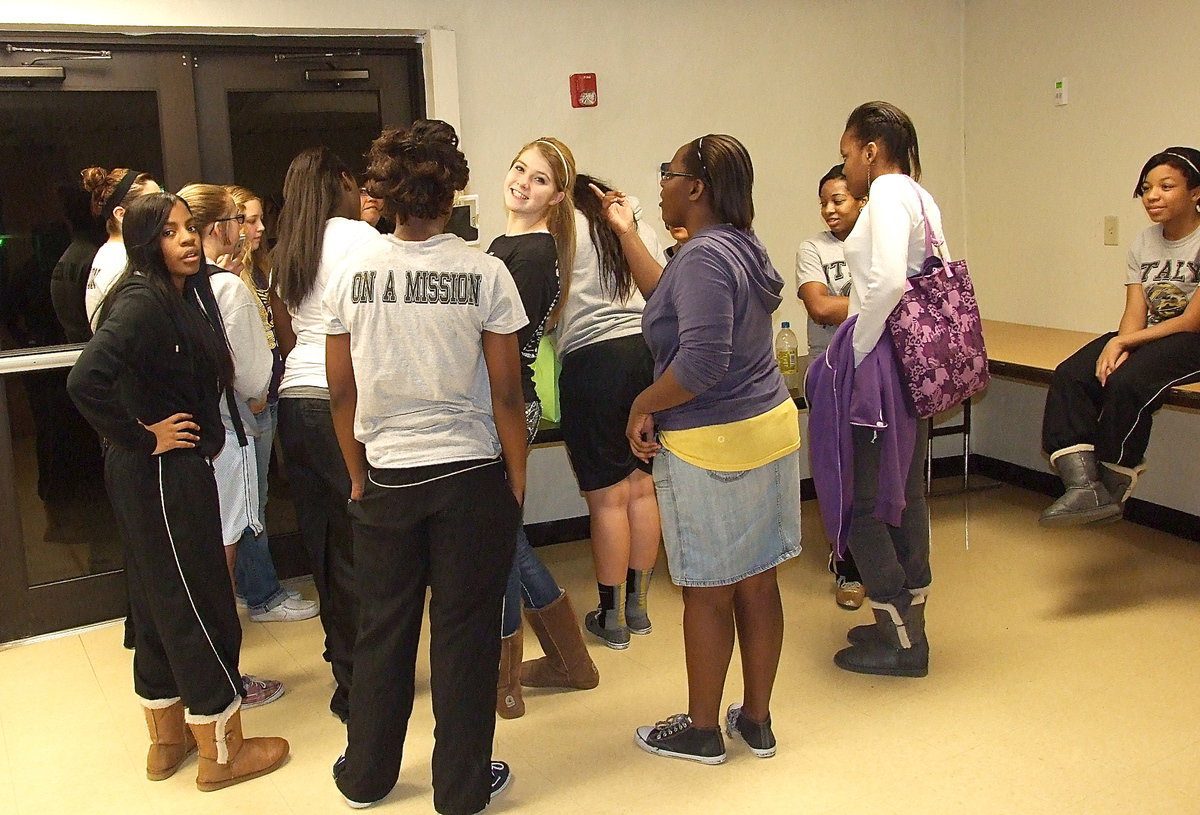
(583, 91)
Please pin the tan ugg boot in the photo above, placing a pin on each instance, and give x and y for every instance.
(226, 758)
(170, 740)
(509, 704)
(567, 663)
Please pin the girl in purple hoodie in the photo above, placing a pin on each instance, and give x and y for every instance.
(723, 433)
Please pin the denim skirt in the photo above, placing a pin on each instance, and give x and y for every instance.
(722, 527)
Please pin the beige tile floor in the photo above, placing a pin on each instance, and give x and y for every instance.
(1064, 680)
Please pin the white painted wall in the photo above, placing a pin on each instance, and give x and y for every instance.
(1040, 178)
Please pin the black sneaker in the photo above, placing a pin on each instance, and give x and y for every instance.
(501, 778)
(758, 737)
(677, 738)
(338, 767)
(615, 637)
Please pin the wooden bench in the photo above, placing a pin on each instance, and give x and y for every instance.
(1031, 353)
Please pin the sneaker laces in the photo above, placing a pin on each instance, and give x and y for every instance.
(672, 725)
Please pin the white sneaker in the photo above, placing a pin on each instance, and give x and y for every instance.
(289, 611)
(292, 593)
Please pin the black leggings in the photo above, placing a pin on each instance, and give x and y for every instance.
(1115, 418)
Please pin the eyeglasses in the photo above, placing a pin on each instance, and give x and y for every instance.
(665, 172)
(240, 218)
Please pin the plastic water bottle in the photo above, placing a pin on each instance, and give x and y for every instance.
(786, 349)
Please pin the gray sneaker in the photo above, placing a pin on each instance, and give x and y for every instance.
(614, 635)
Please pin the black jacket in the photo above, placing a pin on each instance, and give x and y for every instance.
(139, 367)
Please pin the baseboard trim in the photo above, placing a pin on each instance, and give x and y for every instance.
(1144, 513)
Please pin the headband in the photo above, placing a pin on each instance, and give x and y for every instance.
(700, 154)
(562, 158)
(1185, 160)
(119, 192)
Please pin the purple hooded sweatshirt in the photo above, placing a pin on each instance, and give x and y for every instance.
(709, 320)
(871, 395)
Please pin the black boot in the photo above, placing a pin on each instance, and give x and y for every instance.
(901, 648)
(868, 634)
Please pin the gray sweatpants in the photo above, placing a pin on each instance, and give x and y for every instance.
(891, 559)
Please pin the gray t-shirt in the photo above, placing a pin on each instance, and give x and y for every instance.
(416, 313)
(822, 260)
(1166, 270)
(592, 314)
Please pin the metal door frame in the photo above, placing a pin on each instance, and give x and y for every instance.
(26, 610)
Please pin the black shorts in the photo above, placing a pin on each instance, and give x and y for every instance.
(597, 386)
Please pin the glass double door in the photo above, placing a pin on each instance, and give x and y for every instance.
(219, 113)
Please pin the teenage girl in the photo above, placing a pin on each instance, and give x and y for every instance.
(112, 191)
(435, 447)
(605, 364)
(724, 436)
(256, 580)
(318, 226)
(150, 382)
(823, 285)
(235, 466)
(1101, 401)
(888, 531)
(538, 241)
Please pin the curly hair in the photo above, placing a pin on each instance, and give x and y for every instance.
(416, 171)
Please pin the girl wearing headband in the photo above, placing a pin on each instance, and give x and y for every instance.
(1096, 425)
(722, 433)
(112, 191)
(537, 244)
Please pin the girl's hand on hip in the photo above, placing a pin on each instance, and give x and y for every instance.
(174, 433)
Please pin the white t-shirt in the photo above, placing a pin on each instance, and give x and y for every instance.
(305, 365)
(416, 313)
(1166, 270)
(591, 313)
(107, 265)
(822, 260)
(886, 246)
(252, 358)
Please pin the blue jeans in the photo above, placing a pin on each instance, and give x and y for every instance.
(529, 581)
(255, 571)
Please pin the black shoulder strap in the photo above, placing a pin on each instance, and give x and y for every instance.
(230, 401)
